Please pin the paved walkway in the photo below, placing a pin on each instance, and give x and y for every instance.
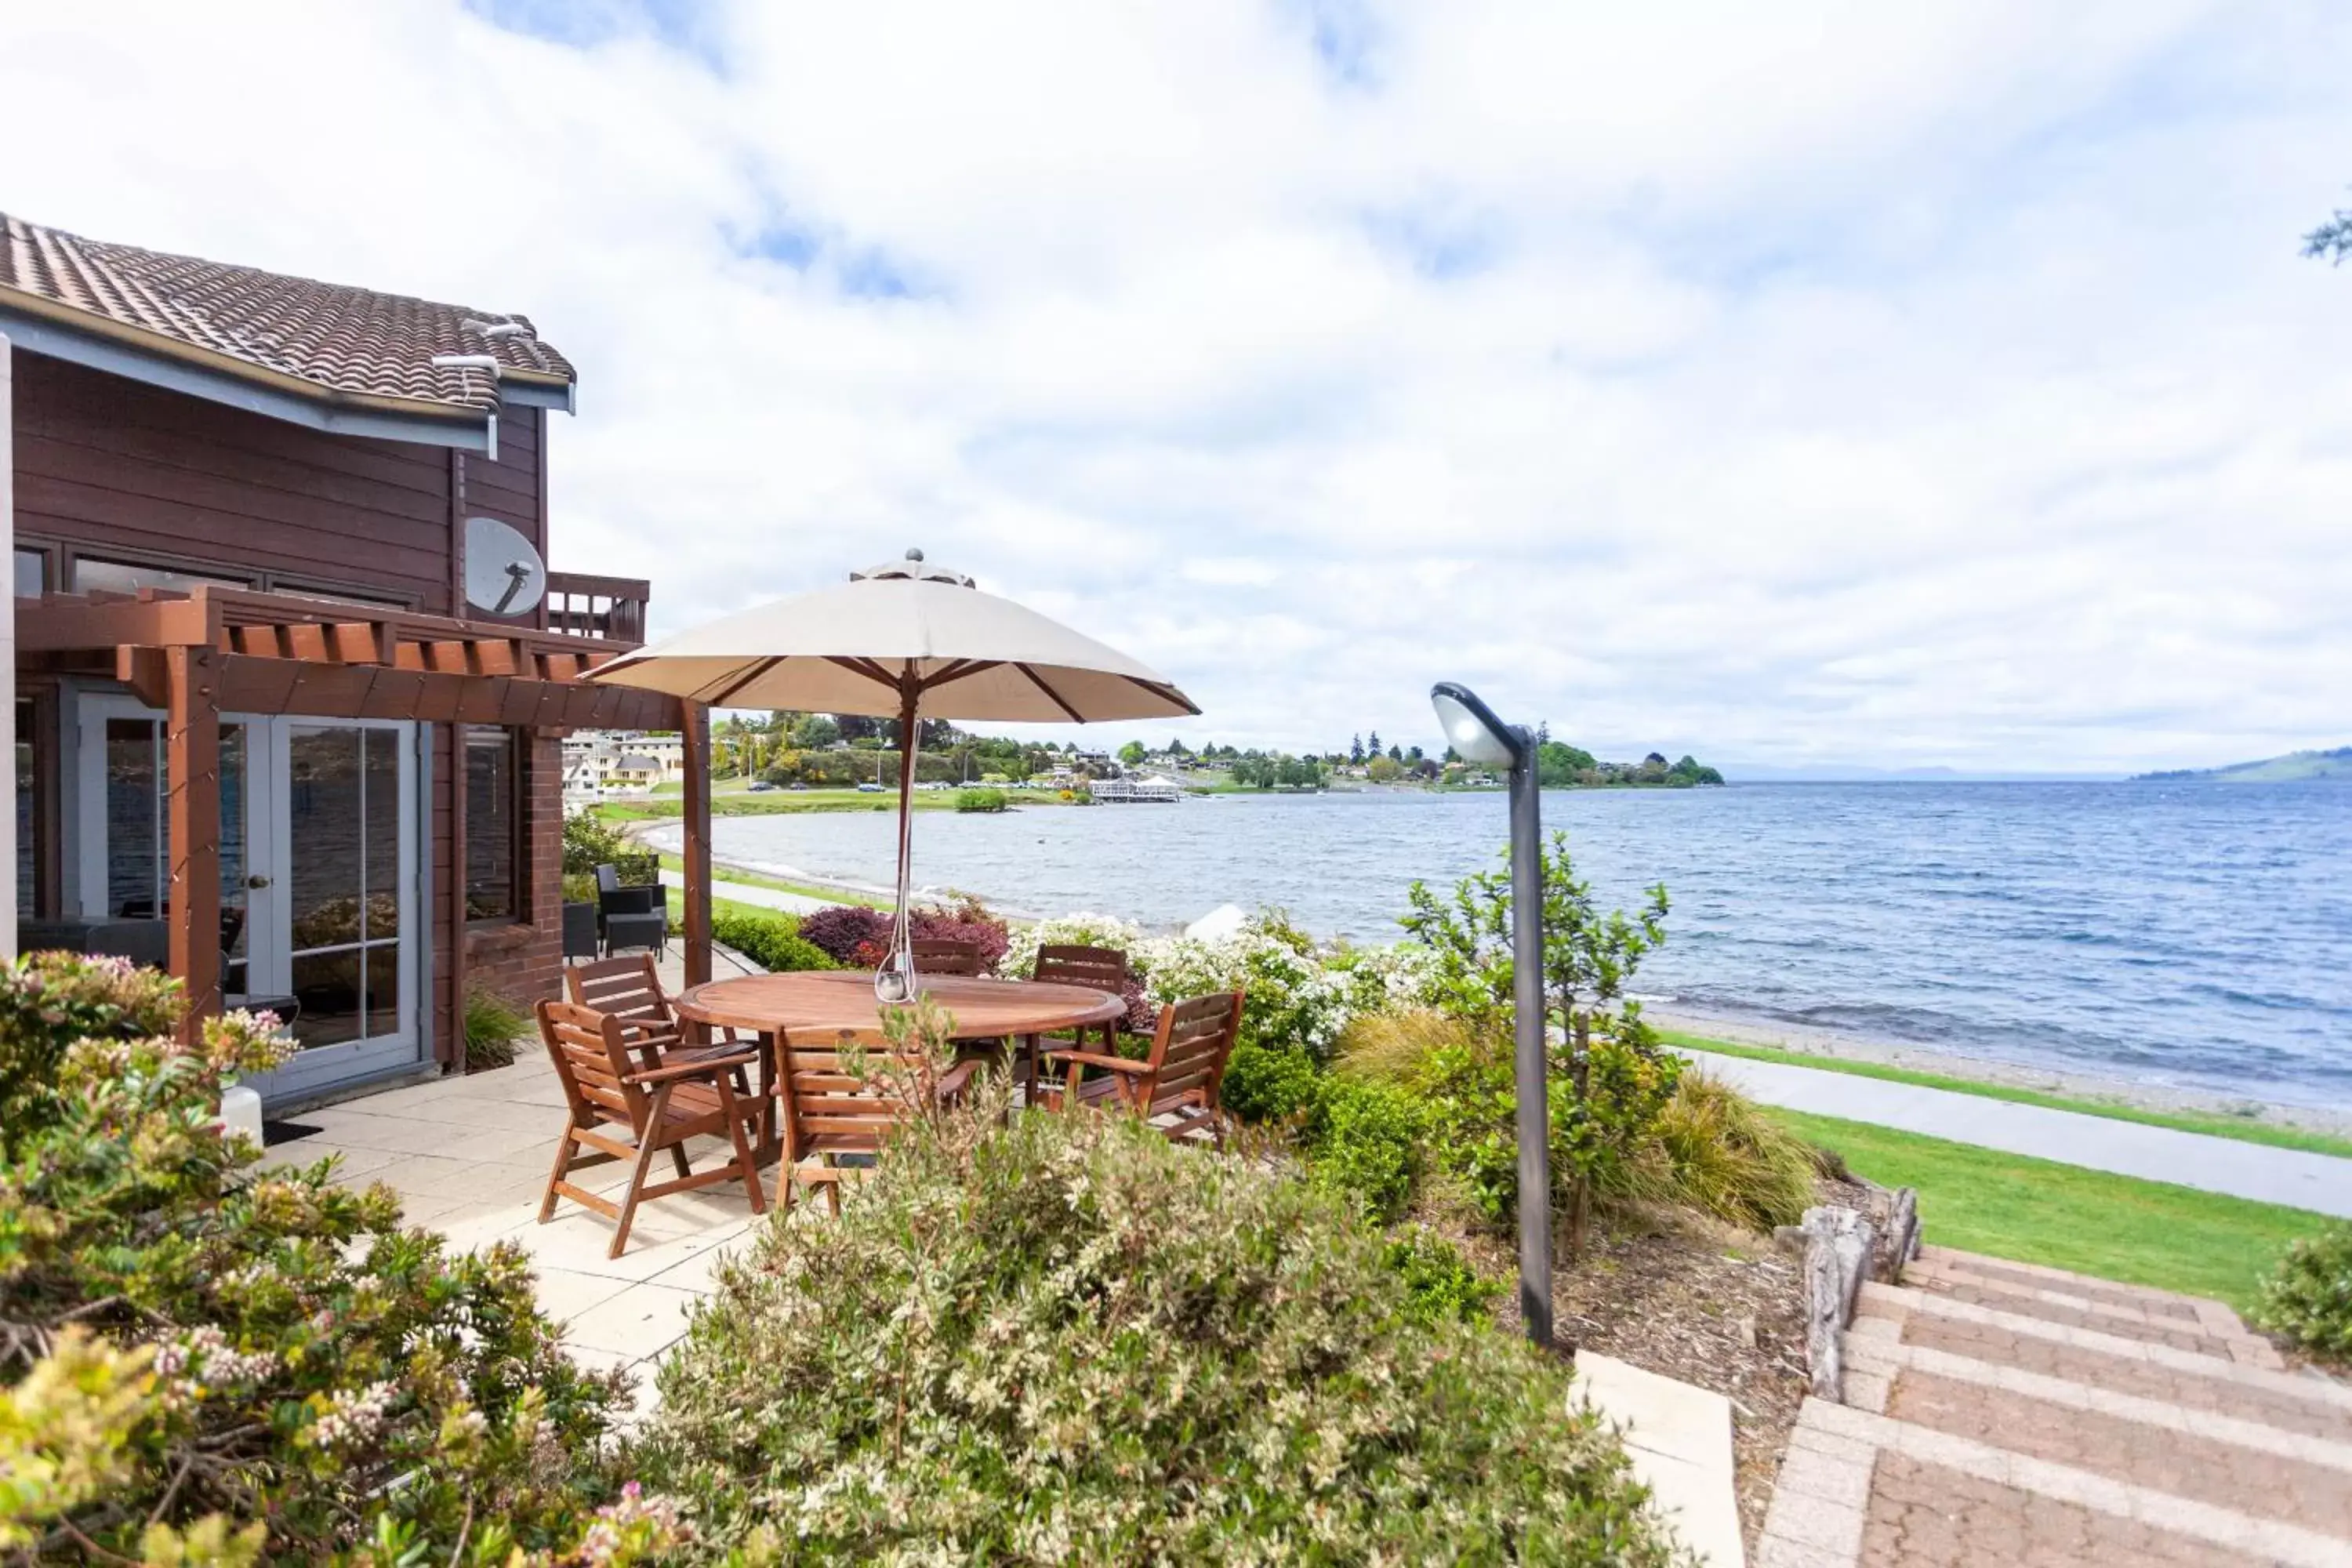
(2318, 1181)
(1999, 1414)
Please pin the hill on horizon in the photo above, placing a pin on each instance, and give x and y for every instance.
(2291, 768)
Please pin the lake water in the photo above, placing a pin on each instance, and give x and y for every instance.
(2190, 934)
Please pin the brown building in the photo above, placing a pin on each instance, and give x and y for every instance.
(262, 727)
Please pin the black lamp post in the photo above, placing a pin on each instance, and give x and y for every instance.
(1474, 732)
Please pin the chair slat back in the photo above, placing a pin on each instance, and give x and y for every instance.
(947, 955)
(625, 988)
(830, 1107)
(593, 1063)
(1097, 968)
(1189, 1048)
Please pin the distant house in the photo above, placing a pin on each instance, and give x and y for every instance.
(260, 732)
(607, 764)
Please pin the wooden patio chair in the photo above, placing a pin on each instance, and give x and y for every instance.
(691, 1095)
(829, 1112)
(948, 955)
(1182, 1077)
(1096, 969)
(628, 989)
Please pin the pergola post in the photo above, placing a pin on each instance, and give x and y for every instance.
(697, 733)
(192, 751)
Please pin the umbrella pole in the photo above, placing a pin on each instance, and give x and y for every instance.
(895, 981)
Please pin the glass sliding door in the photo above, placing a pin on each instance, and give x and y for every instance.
(319, 872)
(347, 903)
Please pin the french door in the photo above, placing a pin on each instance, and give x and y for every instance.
(319, 872)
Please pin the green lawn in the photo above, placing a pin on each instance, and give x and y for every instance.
(2245, 1130)
(744, 803)
(2036, 1211)
(806, 890)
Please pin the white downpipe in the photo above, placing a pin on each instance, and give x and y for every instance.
(9, 910)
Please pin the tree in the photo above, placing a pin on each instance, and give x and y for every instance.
(1617, 1077)
(1132, 753)
(1559, 765)
(2331, 240)
(1356, 750)
(1385, 770)
(1374, 745)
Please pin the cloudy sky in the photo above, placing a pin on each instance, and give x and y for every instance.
(1898, 384)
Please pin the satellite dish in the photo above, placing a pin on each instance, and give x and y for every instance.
(504, 576)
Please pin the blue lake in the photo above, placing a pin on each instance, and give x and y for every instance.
(2189, 933)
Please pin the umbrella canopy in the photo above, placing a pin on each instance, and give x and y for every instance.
(866, 644)
(908, 641)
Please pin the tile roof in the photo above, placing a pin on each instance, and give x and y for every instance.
(346, 340)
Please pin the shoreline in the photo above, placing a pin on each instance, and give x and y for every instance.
(1803, 1039)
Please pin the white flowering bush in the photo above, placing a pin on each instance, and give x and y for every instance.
(1298, 997)
(1065, 1340)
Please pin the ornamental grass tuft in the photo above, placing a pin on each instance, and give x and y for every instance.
(1065, 1339)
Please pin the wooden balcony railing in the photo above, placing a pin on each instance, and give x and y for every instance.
(610, 609)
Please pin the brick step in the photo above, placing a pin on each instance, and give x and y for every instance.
(1859, 1489)
(2217, 1333)
(2288, 1402)
(2168, 1306)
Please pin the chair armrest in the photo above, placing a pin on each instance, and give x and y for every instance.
(957, 1077)
(700, 1066)
(1097, 1059)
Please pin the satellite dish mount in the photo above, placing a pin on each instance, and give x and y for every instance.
(504, 576)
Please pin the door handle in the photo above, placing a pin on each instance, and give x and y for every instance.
(257, 881)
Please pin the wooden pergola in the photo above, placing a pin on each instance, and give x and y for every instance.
(215, 650)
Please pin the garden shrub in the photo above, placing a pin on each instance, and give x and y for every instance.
(188, 1340)
(982, 799)
(859, 937)
(1265, 1084)
(2308, 1299)
(1439, 1283)
(772, 942)
(1365, 1141)
(492, 1026)
(1066, 1339)
(590, 841)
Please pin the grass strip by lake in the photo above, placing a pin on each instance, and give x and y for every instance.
(2038, 1211)
(2214, 1124)
(671, 862)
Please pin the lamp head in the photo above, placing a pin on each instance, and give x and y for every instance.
(1471, 729)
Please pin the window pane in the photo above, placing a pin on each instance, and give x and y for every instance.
(135, 819)
(28, 786)
(383, 866)
(130, 576)
(383, 989)
(328, 986)
(32, 572)
(490, 825)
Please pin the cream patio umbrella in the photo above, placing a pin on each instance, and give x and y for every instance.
(909, 641)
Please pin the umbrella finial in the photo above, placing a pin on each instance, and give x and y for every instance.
(911, 568)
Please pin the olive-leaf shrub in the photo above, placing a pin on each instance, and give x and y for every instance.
(1066, 1339)
(2308, 1297)
(195, 1345)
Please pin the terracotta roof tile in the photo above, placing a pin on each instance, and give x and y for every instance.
(344, 338)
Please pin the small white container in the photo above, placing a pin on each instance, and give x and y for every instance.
(241, 1111)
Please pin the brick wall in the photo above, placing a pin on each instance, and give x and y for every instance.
(525, 962)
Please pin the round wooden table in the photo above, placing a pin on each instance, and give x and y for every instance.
(823, 1003)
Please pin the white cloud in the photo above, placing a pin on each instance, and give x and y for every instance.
(1926, 384)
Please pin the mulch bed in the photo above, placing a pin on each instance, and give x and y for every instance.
(1681, 1295)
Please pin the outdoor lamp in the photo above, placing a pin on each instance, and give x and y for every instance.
(1474, 732)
